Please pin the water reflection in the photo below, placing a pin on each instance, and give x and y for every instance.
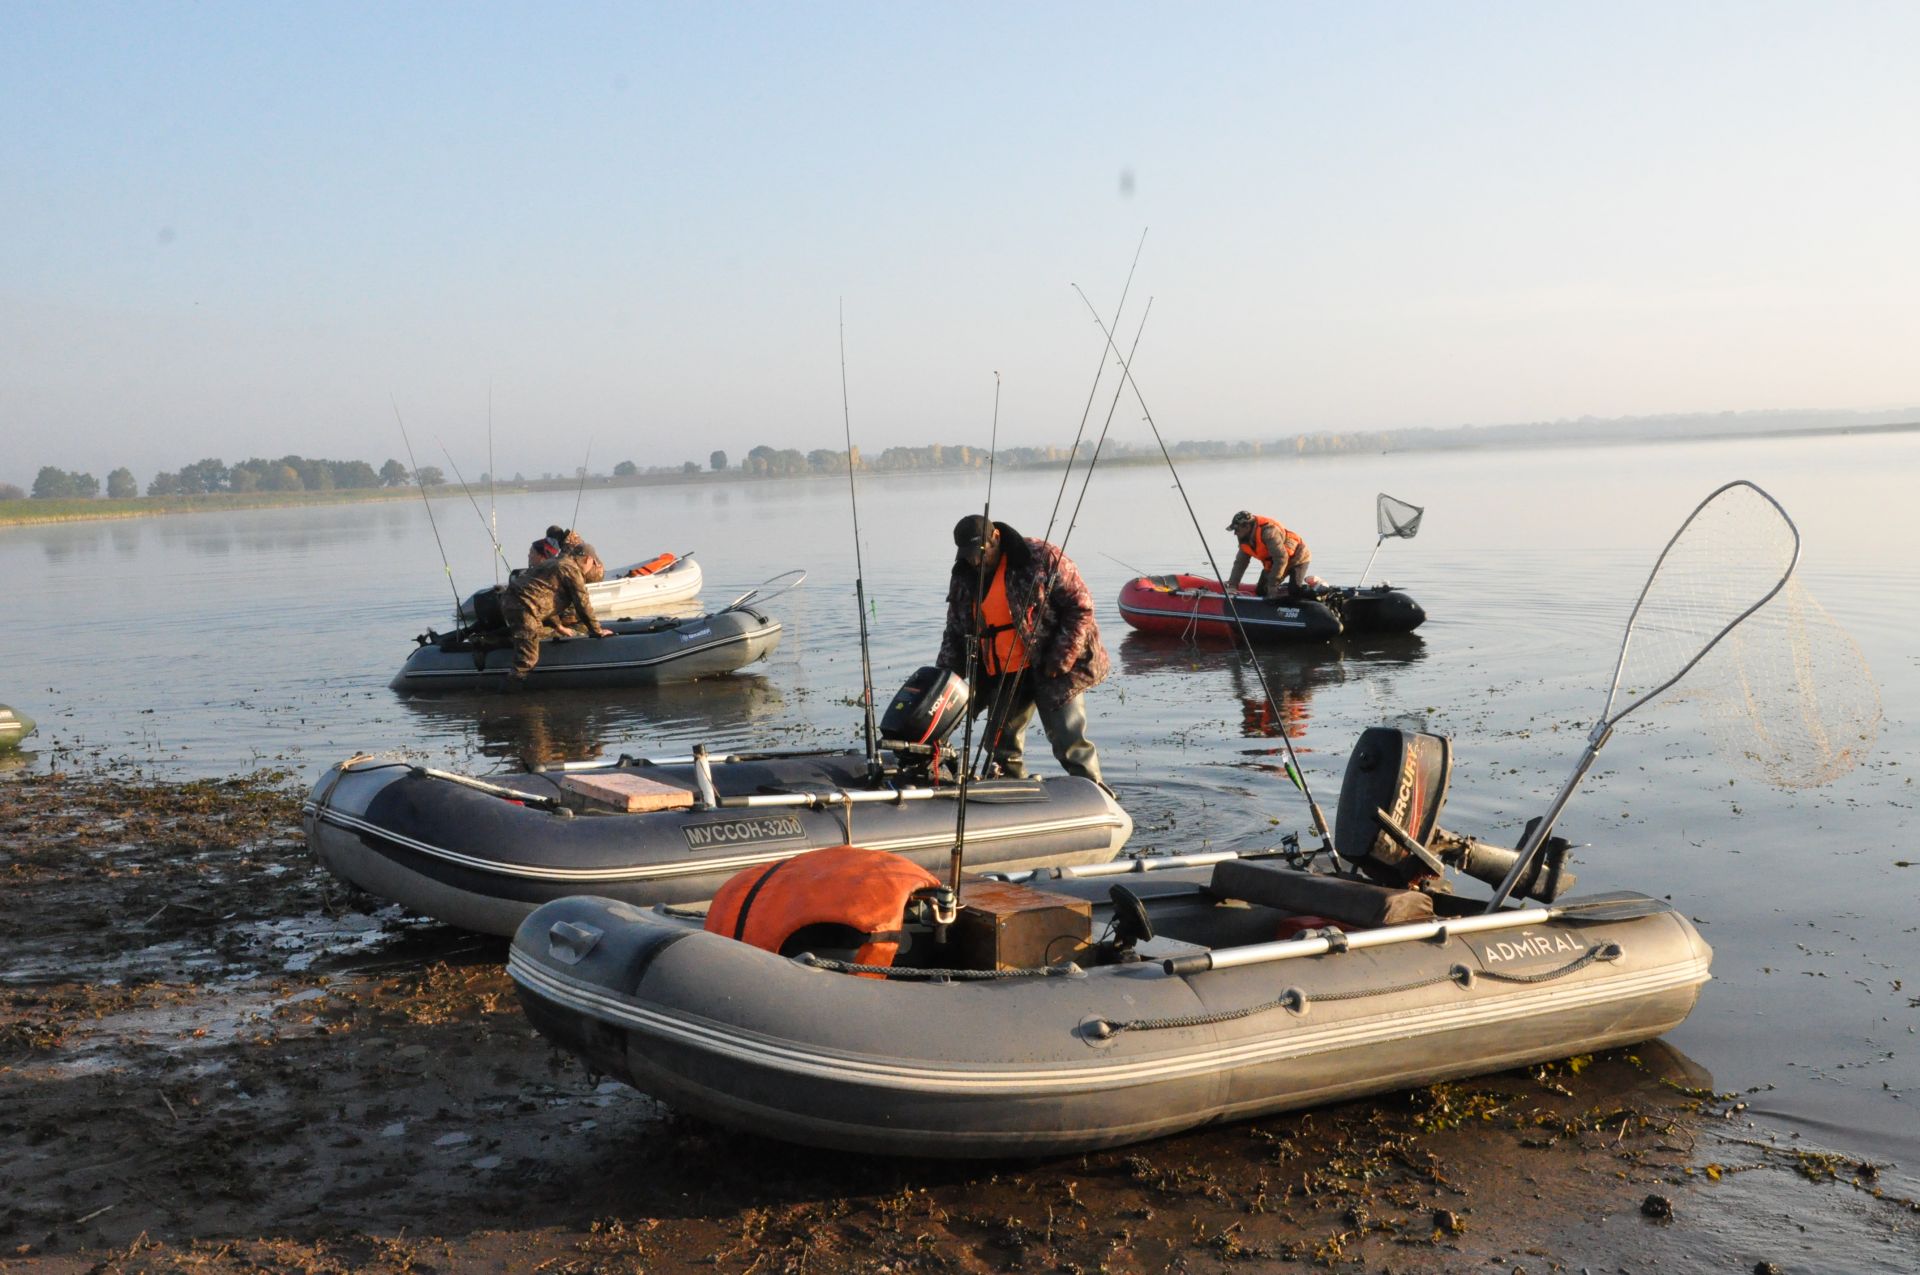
(561, 726)
(1301, 667)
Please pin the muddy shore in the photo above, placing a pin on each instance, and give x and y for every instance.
(214, 1057)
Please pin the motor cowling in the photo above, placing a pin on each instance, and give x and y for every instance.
(1405, 773)
(487, 608)
(925, 710)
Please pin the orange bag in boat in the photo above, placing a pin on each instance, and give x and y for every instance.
(864, 890)
(652, 565)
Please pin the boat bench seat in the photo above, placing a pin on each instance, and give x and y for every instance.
(1343, 899)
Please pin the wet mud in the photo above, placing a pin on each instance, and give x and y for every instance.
(214, 1057)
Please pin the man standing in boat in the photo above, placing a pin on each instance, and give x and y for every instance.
(1282, 553)
(542, 594)
(1039, 647)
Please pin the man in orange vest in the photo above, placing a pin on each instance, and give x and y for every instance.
(1038, 645)
(1283, 556)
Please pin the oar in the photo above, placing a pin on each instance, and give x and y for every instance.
(1623, 906)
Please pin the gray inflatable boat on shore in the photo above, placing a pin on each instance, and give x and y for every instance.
(481, 853)
(1085, 1007)
(1210, 1019)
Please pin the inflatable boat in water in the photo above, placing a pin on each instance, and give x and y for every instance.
(14, 727)
(483, 853)
(1196, 607)
(641, 652)
(1092, 1006)
(635, 588)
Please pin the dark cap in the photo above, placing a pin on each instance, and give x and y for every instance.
(556, 533)
(972, 530)
(1240, 520)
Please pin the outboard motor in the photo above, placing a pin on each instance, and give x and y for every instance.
(486, 609)
(1404, 775)
(922, 714)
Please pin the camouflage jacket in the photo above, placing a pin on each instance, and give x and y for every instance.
(1052, 612)
(553, 589)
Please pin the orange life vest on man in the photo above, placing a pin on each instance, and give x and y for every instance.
(1005, 652)
(1256, 544)
(864, 890)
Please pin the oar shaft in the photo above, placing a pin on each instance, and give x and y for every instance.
(815, 800)
(1386, 936)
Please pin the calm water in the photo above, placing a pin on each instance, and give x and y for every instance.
(210, 644)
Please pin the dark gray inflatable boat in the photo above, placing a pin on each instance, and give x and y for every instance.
(483, 853)
(1209, 1020)
(641, 652)
(1070, 1011)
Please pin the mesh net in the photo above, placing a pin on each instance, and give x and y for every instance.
(1735, 551)
(1788, 697)
(1397, 517)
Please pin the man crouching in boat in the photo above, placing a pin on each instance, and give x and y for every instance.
(549, 546)
(1038, 644)
(542, 595)
(1283, 556)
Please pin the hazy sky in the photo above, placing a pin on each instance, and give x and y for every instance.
(239, 229)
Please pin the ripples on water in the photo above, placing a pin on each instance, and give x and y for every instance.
(208, 644)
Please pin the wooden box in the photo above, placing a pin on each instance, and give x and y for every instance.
(628, 794)
(1007, 926)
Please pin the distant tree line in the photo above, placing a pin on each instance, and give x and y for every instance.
(288, 473)
(206, 477)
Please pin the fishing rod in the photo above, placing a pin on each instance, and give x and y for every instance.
(859, 569)
(493, 516)
(1087, 478)
(1003, 695)
(444, 564)
(1294, 772)
(498, 551)
(973, 656)
(1004, 691)
(1100, 370)
(582, 490)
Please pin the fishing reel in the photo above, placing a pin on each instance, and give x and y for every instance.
(1388, 825)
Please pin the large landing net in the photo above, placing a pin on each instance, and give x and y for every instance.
(1731, 557)
(1788, 698)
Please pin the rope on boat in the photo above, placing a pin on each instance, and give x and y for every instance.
(1296, 1000)
(1066, 969)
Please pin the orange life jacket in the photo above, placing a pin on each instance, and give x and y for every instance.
(652, 565)
(1256, 544)
(866, 890)
(1005, 652)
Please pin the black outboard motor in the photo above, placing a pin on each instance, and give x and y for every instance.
(1404, 774)
(486, 608)
(922, 714)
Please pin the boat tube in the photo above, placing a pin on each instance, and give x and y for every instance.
(1196, 607)
(483, 853)
(1090, 1006)
(641, 652)
(1131, 1041)
(635, 588)
(15, 726)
